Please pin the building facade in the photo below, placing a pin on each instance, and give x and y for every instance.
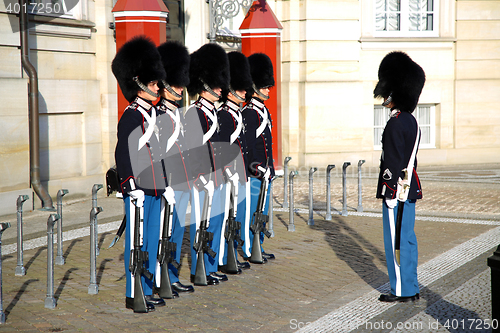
(330, 56)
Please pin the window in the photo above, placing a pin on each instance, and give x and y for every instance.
(406, 18)
(72, 9)
(425, 115)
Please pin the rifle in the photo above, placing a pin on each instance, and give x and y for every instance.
(138, 259)
(260, 220)
(166, 250)
(203, 236)
(232, 226)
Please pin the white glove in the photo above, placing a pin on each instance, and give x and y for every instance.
(138, 196)
(169, 195)
(391, 203)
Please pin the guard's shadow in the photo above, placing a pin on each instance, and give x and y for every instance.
(20, 293)
(454, 318)
(353, 249)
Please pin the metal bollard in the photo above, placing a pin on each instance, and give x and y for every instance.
(360, 199)
(59, 256)
(50, 301)
(285, 182)
(344, 188)
(311, 194)
(3, 226)
(328, 216)
(93, 288)
(291, 225)
(494, 263)
(20, 270)
(95, 188)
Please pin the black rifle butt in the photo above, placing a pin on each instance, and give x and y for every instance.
(200, 276)
(165, 285)
(256, 257)
(232, 263)
(139, 298)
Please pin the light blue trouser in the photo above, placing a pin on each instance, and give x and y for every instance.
(403, 277)
(178, 228)
(151, 234)
(254, 198)
(215, 227)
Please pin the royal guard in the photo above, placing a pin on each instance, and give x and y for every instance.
(208, 76)
(235, 161)
(175, 59)
(400, 83)
(258, 124)
(137, 68)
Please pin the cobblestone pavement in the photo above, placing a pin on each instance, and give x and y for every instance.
(328, 274)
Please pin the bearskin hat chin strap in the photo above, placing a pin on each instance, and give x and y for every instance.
(210, 90)
(388, 100)
(144, 87)
(238, 97)
(261, 95)
(170, 90)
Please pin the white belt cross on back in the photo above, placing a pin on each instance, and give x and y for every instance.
(239, 125)
(177, 127)
(212, 128)
(151, 121)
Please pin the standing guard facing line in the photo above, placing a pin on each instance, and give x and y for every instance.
(175, 59)
(235, 156)
(208, 75)
(400, 83)
(138, 154)
(258, 124)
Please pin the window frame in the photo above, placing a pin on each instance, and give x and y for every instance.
(404, 22)
(377, 143)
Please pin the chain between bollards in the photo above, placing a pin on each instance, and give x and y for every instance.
(285, 182)
(50, 301)
(93, 288)
(291, 224)
(328, 216)
(344, 188)
(20, 270)
(360, 191)
(3, 226)
(311, 194)
(59, 256)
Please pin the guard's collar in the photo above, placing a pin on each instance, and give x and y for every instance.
(232, 105)
(206, 103)
(146, 105)
(258, 102)
(171, 105)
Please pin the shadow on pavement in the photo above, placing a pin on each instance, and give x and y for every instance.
(32, 259)
(353, 249)
(70, 247)
(20, 293)
(63, 282)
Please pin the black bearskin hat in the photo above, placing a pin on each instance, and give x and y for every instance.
(175, 59)
(239, 69)
(261, 69)
(209, 64)
(402, 79)
(137, 57)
